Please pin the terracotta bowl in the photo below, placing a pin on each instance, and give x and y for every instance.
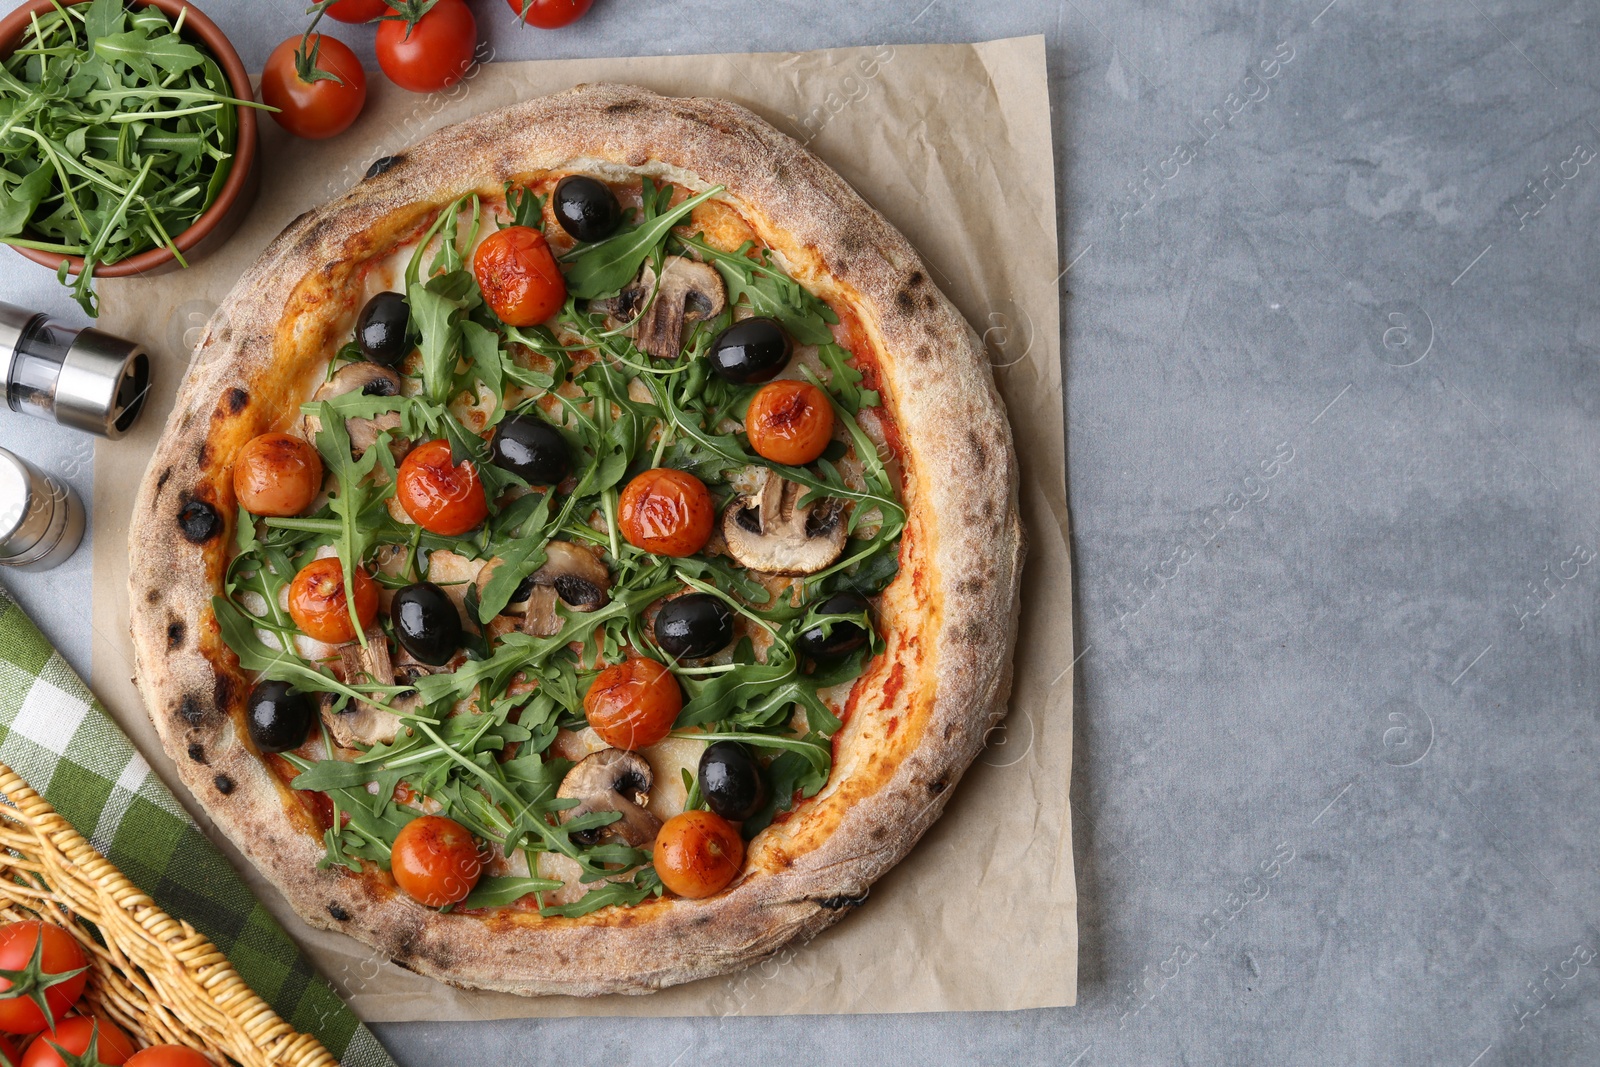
(219, 220)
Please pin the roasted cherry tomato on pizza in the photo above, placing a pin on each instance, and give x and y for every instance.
(112, 1046)
(668, 512)
(357, 10)
(436, 861)
(277, 474)
(440, 495)
(310, 103)
(550, 14)
(427, 49)
(518, 276)
(634, 704)
(168, 1056)
(698, 853)
(320, 606)
(41, 964)
(789, 422)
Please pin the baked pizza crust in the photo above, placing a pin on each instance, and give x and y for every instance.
(920, 713)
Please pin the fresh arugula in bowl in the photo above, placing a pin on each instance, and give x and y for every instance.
(116, 134)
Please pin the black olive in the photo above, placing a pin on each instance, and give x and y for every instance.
(381, 329)
(279, 717)
(586, 208)
(426, 623)
(531, 449)
(694, 625)
(731, 781)
(751, 350)
(199, 521)
(844, 637)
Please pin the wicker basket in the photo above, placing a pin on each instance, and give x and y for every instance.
(154, 975)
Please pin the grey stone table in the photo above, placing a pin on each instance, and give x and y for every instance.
(1333, 408)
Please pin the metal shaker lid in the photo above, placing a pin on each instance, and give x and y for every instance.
(103, 384)
(41, 519)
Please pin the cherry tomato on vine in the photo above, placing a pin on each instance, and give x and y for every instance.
(168, 1056)
(634, 704)
(357, 10)
(698, 853)
(789, 422)
(666, 511)
(439, 495)
(321, 106)
(434, 52)
(112, 1045)
(318, 604)
(518, 276)
(435, 860)
(8, 1049)
(57, 977)
(550, 14)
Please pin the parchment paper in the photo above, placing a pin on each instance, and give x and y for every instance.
(952, 144)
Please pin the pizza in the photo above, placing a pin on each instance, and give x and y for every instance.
(583, 557)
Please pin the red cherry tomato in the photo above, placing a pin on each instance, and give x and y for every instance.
(698, 853)
(432, 55)
(168, 1056)
(789, 422)
(8, 1049)
(550, 14)
(318, 605)
(320, 108)
(519, 276)
(59, 954)
(277, 474)
(668, 512)
(435, 860)
(634, 704)
(440, 496)
(112, 1046)
(357, 10)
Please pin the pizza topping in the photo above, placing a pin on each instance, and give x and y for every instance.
(668, 512)
(319, 606)
(838, 626)
(368, 379)
(612, 779)
(693, 626)
(278, 717)
(532, 449)
(658, 307)
(276, 474)
(436, 861)
(426, 623)
(730, 780)
(697, 854)
(558, 559)
(751, 350)
(518, 276)
(439, 494)
(774, 532)
(633, 704)
(789, 422)
(586, 208)
(381, 330)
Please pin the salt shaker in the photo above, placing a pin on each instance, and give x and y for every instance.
(41, 518)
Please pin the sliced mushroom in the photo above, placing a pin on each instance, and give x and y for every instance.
(370, 379)
(612, 779)
(361, 723)
(769, 531)
(571, 574)
(689, 292)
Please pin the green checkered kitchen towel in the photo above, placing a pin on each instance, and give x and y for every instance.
(56, 735)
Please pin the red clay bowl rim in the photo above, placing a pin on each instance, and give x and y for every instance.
(15, 24)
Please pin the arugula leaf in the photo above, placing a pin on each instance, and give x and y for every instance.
(768, 291)
(644, 884)
(499, 892)
(606, 267)
(348, 498)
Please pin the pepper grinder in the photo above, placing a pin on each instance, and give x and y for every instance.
(85, 379)
(41, 518)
